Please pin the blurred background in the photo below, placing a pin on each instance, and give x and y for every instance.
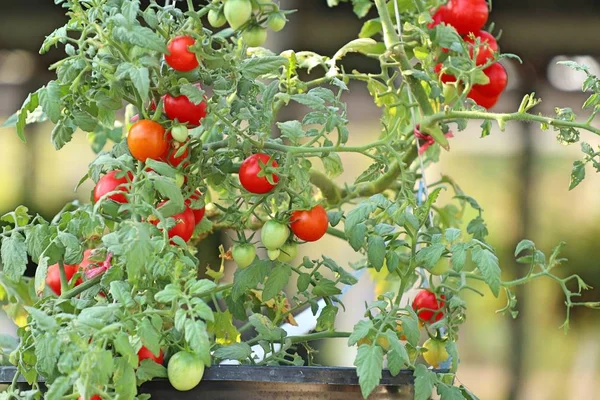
(520, 177)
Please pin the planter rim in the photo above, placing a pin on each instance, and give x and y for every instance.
(290, 374)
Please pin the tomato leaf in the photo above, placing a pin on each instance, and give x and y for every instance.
(29, 105)
(265, 328)
(424, 381)
(276, 281)
(257, 66)
(14, 256)
(197, 338)
(325, 287)
(129, 9)
(121, 292)
(43, 320)
(168, 294)
(524, 245)
(370, 28)
(235, 351)
(410, 328)
(333, 165)
(447, 392)
(47, 351)
(430, 255)
(368, 362)
(487, 263)
(356, 236)
(62, 133)
(141, 80)
(58, 388)
(397, 355)
(292, 130)
(326, 319)
(477, 228)
(124, 379)
(124, 347)
(361, 329)
(577, 174)
(249, 278)
(459, 255)
(376, 251)
(50, 100)
(149, 370)
(193, 93)
(149, 335)
(140, 36)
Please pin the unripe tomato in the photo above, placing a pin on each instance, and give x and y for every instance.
(249, 171)
(276, 22)
(466, 15)
(243, 254)
(216, 18)
(487, 47)
(146, 139)
(185, 370)
(310, 225)
(427, 307)
(273, 254)
(198, 212)
(436, 353)
(170, 156)
(274, 235)
(180, 133)
(180, 58)
(237, 12)
(289, 251)
(185, 224)
(145, 354)
(383, 342)
(364, 340)
(498, 81)
(110, 183)
(53, 277)
(180, 108)
(441, 267)
(255, 36)
(180, 179)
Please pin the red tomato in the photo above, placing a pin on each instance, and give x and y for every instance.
(146, 139)
(180, 108)
(145, 354)
(249, 171)
(198, 213)
(310, 225)
(426, 306)
(466, 15)
(86, 264)
(438, 17)
(185, 224)
(110, 183)
(445, 78)
(169, 156)
(482, 100)
(94, 397)
(498, 81)
(53, 277)
(180, 58)
(488, 46)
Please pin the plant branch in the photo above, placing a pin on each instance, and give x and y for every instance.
(319, 335)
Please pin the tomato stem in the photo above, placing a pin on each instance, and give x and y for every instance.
(64, 282)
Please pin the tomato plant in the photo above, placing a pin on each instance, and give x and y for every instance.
(202, 146)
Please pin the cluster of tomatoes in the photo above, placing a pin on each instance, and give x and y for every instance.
(86, 267)
(429, 309)
(468, 18)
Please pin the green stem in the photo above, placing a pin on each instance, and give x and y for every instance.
(319, 335)
(64, 282)
(84, 286)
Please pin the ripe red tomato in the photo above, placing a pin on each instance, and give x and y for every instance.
(310, 225)
(482, 100)
(180, 58)
(145, 354)
(488, 46)
(146, 139)
(249, 171)
(170, 156)
(426, 306)
(86, 264)
(185, 224)
(94, 397)
(445, 78)
(110, 183)
(466, 15)
(498, 81)
(438, 17)
(198, 212)
(180, 108)
(53, 277)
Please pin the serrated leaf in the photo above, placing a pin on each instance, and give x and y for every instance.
(410, 329)
(326, 319)
(249, 278)
(333, 165)
(149, 335)
(124, 380)
(424, 382)
(361, 329)
(369, 363)
(577, 174)
(397, 355)
(524, 245)
(140, 36)
(62, 133)
(149, 370)
(129, 9)
(43, 320)
(141, 81)
(276, 281)
(430, 255)
(169, 189)
(14, 256)
(123, 347)
(50, 100)
(449, 392)
(376, 251)
(459, 256)
(58, 388)
(121, 292)
(452, 234)
(197, 338)
(168, 294)
(265, 328)
(477, 228)
(291, 130)
(257, 66)
(235, 351)
(487, 263)
(356, 236)
(325, 287)
(193, 92)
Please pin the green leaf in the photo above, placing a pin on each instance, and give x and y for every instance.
(326, 319)
(369, 363)
(410, 328)
(97, 316)
(449, 392)
(453, 352)
(168, 188)
(303, 282)
(358, 215)
(430, 255)
(168, 294)
(44, 322)
(141, 80)
(84, 120)
(62, 133)
(397, 355)
(276, 281)
(292, 130)
(200, 287)
(149, 335)
(524, 245)
(47, 351)
(29, 105)
(14, 256)
(356, 236)
(376, 251)
(58, 36)
(366, 46)
(577, 174)
(256, 66)
(149, 370)
(202, 310)
(197, 338)
(140, 36)
(265, 328)
(487, 263)
(138, 249)
(361, 7)
(124, 380)
(193, 92)
(333, 165)
(370, 28)
(325, 287)
(235, 351)
(424, 381)
(309, 100)
(452, 234)
(37, 238)
(124, 347)
(477, 228)
(50, 100)
(361, 329)
(58, 388)
(129, 9)
(459, 256)
(121, 292)
(249, 278)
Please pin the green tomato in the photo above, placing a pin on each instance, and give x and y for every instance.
(237, 12)
(255, 36)
(243, 254)
(185, 371)
(441, 267)
(216, 18)
(179, 179)
(436, 352)
(274, 234)
(289, 251)
(276, 22)
(273, 254)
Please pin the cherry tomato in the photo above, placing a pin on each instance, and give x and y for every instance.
(249, 171)
(185, 370)
(145, 354)
(180, 133)
(216, 18)
(436, 353)
(274, 235)
(445, 78)
(94, 397)
(289, 251)
(273, 254)
(185, 224)
(310, 225)
(170, 156)
(243, 254)
(237, 12)
(426, 306)
(53, 277)
(483, 101)
(255, 36)
(198, 212)
(466, 15)
(180, 108)
(110, 183)
(487, 47)
(180, 58)
(498, 81)
(276, 22)
(146, 139)
(441, 267)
